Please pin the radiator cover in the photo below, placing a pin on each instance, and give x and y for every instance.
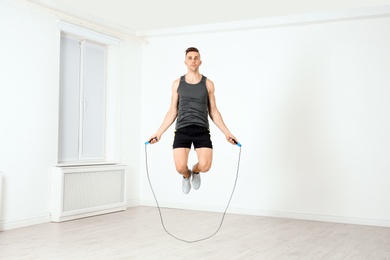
(85, 191)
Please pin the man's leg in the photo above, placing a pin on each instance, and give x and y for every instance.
(205, 159)
(180, 156)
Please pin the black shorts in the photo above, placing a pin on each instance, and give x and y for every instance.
(197, 135)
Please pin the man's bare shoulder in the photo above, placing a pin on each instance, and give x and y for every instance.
(176, 81)
(209, 85)
(175, 84)
(209, 81)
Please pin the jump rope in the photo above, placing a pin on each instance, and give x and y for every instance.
(159, 209)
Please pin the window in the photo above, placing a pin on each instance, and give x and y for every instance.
(83, 100)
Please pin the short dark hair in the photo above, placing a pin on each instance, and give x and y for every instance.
(192, 49)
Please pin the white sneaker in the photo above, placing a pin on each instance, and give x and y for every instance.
(195, 180)
(186, 184)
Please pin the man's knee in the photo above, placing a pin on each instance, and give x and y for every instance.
(181, 168)
(204, 166)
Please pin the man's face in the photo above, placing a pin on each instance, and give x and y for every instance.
(193, 61)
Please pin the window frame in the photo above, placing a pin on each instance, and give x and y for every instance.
(112, 47)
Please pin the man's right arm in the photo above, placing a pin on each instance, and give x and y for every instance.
(171, 115)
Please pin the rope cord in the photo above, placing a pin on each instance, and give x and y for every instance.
(159, 209)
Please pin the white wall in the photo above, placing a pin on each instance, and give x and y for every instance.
(308, 102)
(29, 107)
(29, 89)
(131, 117)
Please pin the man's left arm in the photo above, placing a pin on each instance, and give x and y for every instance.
(215, 115)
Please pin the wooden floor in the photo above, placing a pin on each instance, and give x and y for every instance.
(137, 234)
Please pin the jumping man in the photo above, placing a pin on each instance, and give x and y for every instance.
(192, 101)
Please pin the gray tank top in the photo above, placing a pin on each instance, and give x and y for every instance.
(193, 104)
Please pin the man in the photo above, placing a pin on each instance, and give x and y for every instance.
(192, 102)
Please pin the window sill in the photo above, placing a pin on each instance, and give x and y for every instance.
(86, 163)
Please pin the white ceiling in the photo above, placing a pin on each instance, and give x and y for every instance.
(141, 16)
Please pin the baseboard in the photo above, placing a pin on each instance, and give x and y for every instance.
(133, 203)
(274, 214)
(45, 218)
(314, 217)
(25, 222)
